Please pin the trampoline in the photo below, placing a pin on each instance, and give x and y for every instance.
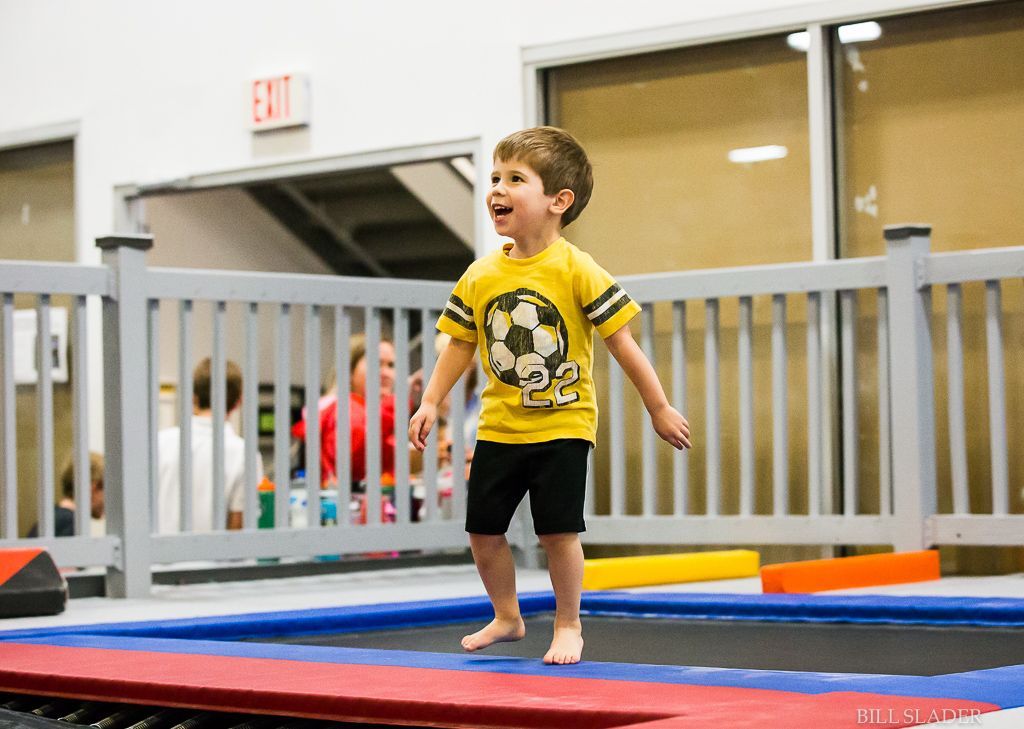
(920, 650)
(697, 660)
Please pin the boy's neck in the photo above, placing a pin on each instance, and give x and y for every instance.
(530, 247)
(208, 413)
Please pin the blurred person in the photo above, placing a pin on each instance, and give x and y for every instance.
(64, 511)
(169, 465)
(357, 416)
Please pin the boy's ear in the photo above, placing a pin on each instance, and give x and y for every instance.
(564, 199)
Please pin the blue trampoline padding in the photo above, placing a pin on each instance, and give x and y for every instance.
(868, 609)
(999, 686)
(346, 619)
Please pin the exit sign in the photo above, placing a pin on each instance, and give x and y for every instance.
(279, 101)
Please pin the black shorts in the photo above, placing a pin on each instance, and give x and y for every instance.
(554, 472)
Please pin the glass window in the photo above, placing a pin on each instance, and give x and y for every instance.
(700, 155)
(930, 125)
(700, 161)
(37, 223)
(930, 129)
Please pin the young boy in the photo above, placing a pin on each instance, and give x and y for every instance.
(532, 308)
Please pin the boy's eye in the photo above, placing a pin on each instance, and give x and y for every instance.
(516, 178)
(494, 179)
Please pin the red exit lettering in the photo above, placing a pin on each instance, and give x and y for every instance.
(271, 99)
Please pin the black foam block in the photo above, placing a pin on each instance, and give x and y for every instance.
(33, 585)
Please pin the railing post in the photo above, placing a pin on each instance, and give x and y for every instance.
(911, 381)
(125, 385)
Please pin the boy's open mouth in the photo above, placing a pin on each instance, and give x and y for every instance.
(500, 211)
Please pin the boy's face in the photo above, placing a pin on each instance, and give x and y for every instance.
(517, 203)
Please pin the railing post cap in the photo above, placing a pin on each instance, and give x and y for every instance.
(138, 242)
(902, 231)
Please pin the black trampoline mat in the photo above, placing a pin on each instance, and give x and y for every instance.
(820, 647)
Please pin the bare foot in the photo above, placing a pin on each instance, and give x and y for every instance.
(496, 631)
(566, 646)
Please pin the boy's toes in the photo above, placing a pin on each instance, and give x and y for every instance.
(497, 631)
(566, 648)
(560, 659)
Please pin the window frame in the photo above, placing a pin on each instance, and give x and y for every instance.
(818, 20)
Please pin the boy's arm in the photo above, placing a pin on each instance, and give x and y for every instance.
(449, 368)
(668, 423)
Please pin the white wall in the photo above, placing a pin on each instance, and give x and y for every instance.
(226, 229)
(159, 88)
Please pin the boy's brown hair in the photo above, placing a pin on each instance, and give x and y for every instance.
(202, 381)
(67, 476)
(559, 160)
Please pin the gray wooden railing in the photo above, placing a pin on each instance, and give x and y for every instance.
(133, 296)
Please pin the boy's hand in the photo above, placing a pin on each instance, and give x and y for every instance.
(420, 425)
(671, 427)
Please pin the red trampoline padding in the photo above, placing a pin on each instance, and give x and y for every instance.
(436, 697)
(870, 715)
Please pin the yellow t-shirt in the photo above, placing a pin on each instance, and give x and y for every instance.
(534, 320)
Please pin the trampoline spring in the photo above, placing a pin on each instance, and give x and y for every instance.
(85, 710)
(49, 710)
(19, 703)
(195, 722)
(159, 720)
(112, 721)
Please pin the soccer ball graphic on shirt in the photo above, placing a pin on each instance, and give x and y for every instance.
(526, 336)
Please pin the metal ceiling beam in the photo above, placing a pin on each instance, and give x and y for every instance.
(438, 186)
(340, 235)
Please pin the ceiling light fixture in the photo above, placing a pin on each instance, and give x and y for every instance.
(757, 154)
(853, 33)
(859, 32)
